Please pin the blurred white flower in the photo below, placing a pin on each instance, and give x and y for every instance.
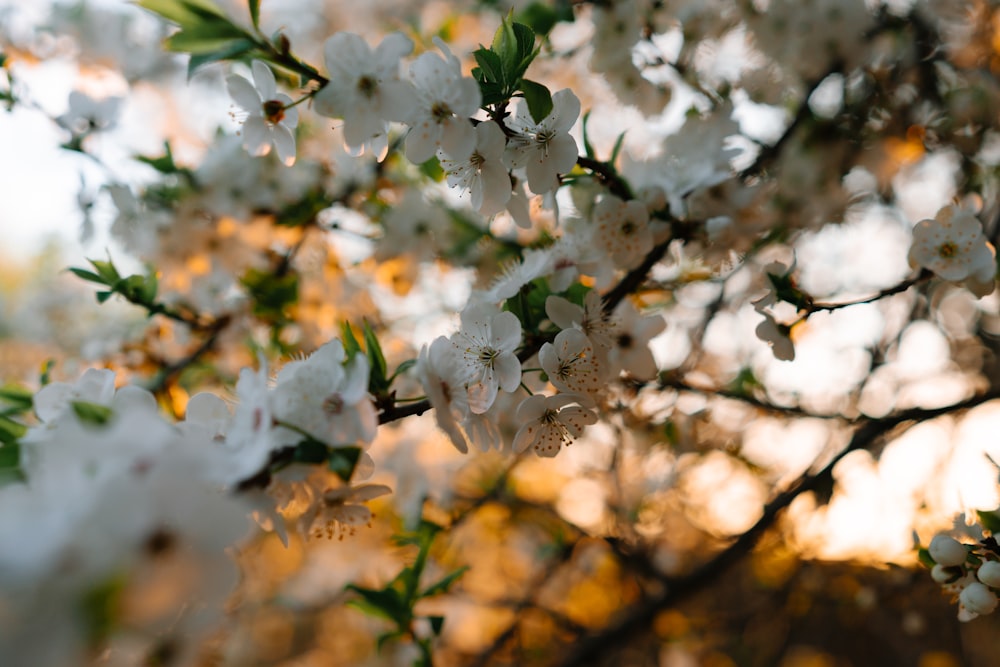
(549, 422)
(269, 118)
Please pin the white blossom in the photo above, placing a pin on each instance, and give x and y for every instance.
(442, 105)
(487, 342)
(550, 422)
(365, 88)
(545, 149)
(481, 172)
(269, 117)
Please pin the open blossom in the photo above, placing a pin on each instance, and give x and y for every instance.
(570, 362)
(953, 246)
(631, 339)
(269, 117)
(443, 103)
(442, 374)
(545, 149)
(623, 230)
(327, 399)
(590, 319)
(549, 422)
(364, 89)
(482, 171)
(341, 510)
(486, 344)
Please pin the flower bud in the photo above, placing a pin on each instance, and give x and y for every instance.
(947, 550)
(943, 575)
(978, 599)
(989, 574)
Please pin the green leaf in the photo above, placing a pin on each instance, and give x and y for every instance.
(87, 275)
(437, 624)
(311, 451)
(377, 381)
(588, 149)
(385, 603)
(233, 50)
(924, 556)
(402, 368)
(617, 149)
(490, 65)
(539, 99)
(343, 460)
(444, 584)
(92, 413)
(526, 51)
(10, 431)
(109, 274)
(254, 13)
(20, 398)
(104, 296)
(164, 163)
(990, 521)
(505, 45)
(184, 12)
(347, 337)
(432, 169)
(204, 39)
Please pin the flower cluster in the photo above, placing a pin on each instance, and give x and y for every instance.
(969, 572)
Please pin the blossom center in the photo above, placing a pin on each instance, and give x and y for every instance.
(544, 137)
(441, 112)
(947, 250)
(333, 404)
(367, 86)
(274, 111)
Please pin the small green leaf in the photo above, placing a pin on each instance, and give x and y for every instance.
(310, 451)
(204, 39)
(92, 413)
(490, 65)
(184, 12)
(104, 296)
(402, 368)
(164, 163)
(539, 99)
(444, 584)
(347, 337)
(924, 556)
(617, 149)
(109, 274)
(343, 460)
(437, 624)
(505, 45)
(20, 399)
(11, 430)
(432, 170)
(233, 50)
(255, 13)
(377, 381)
(588, 149)
(87, 275)
(385, 603)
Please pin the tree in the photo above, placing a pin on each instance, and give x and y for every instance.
(614, 253)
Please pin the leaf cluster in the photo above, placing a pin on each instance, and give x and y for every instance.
(395, 602)
(501, 69)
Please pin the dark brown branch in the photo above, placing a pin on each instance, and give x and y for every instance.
(677, 589)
